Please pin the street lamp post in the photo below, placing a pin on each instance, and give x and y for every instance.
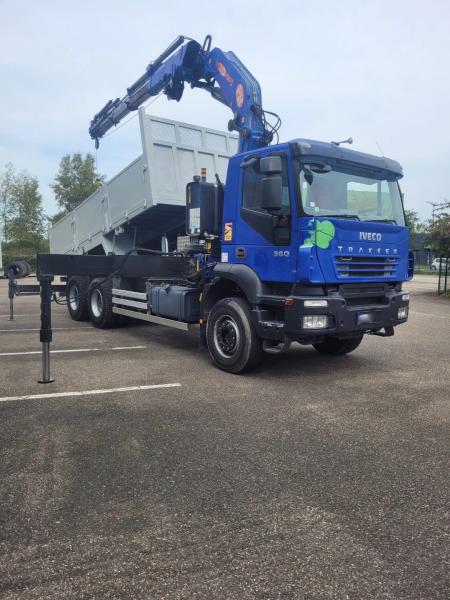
(434, 205)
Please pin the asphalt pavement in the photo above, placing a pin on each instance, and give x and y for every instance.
(143, 472)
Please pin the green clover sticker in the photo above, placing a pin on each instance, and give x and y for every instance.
(321, 235)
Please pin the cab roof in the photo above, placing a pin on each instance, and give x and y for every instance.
(308, 147)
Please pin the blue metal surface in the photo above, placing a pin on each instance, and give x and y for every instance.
(308, 149)
(350, 259)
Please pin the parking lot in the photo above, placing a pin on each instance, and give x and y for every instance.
(144, 472)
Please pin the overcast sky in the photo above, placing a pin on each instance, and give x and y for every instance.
(378, 71)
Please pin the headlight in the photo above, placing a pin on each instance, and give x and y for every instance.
(315, 303)
(405, 297)
(315, 322)
(403, 312)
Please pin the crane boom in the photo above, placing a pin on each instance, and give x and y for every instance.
(220, 73)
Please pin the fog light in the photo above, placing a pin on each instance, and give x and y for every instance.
(315, 303)
(315, 322)
(403, 312)
(405, 297)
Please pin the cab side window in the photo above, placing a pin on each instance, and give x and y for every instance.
(274, 227)
(251, 189)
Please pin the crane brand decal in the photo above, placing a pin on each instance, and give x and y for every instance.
(240, 95)
(223, 71)
(321, 235)
(228, 232)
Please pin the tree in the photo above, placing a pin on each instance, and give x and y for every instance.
(24, 222)
(75, 181)
(416, 226)
(6, 187)
(412, 220)
(439, 230)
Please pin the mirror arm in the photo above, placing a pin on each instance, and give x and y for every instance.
(248, 162)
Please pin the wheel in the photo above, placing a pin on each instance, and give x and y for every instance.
(20, 268)
(77, 298)
(25, 268)
(231, 338)
(100, 304)
(336, 346)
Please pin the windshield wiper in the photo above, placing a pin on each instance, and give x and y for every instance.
(383, 221)
(342, 216)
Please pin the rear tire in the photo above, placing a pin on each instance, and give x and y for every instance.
(77, 298)
(337, 347)
(231, 338)
(25, 268)
(20, 268)
(100, 304)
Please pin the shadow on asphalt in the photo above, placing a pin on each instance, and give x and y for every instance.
(297, 361)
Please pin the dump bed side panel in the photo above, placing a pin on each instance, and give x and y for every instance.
(173, 153)
(90, 219)
(127, 194)
(62, 236)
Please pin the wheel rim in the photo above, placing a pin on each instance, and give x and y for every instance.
(74, 297)
(226, 336)
(97, 303)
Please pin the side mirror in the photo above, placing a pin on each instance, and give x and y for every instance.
(271, 165)
(272, 193)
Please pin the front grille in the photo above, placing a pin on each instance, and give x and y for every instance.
(365, 266)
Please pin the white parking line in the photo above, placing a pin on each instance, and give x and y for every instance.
(36, 314)
(133, 388)
(72, 350)
(17, 330)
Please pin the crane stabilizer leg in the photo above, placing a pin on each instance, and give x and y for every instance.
(46, 333)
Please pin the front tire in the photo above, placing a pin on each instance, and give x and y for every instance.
(77, 298)
(231, 338)
(337, 347)
(100, 304)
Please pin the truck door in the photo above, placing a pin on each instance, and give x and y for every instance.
(264, 239)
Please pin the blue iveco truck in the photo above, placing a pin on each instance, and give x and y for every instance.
(303, 241)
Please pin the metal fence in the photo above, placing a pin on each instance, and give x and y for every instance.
(423, 261)
(443, 281)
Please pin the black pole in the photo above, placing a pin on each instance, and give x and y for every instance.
(446, 274)
(439, 280)
(45, 334)
(12, 288)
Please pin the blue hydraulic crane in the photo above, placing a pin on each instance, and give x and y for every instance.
(220, 73)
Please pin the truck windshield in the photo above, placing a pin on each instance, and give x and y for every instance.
(329, 191)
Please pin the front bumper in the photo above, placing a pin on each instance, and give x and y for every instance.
(348, 313)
